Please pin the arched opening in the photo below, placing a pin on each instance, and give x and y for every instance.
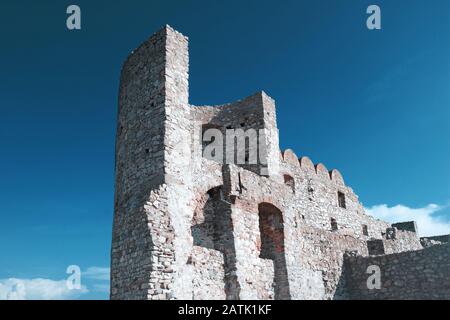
(204, 223)
(289, 181)
(272, 247)
(212, 228)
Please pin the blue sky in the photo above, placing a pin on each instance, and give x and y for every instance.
(374, 104)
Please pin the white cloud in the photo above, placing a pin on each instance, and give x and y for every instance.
(97, 273)
(37, 289)
(427, 222)
(47, 289)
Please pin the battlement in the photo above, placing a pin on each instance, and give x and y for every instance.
(293, 164)
(191, 226)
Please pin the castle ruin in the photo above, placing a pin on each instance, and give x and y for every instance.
(188, 227)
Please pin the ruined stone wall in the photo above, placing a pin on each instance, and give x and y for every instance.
(421, 274)
(245, 113)
(255, 113)
(404, 241)
(431, 241)
(314, 253)
(187, 227)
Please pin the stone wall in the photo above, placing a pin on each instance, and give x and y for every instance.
(404, 241)
(208, 274)
(139, 183)
(257, 113)
(152, 169)
(421, 274)
(431, 241)
(187, 227)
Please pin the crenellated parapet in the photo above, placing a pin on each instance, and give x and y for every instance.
(328, 202)
(294, 165)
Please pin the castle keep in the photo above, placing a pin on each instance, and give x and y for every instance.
(188, 227)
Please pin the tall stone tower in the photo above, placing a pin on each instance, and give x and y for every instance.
(153, 160)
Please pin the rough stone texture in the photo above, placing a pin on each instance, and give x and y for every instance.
(430, 241)
(422, 274)
(188, 227)
(207, 280)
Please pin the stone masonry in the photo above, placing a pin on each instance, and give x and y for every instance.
(189, 227)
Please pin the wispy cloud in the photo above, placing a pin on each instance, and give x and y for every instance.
(96, 273)
(94, 278)
(428, 223)
(38, 289)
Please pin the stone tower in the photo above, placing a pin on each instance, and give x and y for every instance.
(153, 161)
(189, 227)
